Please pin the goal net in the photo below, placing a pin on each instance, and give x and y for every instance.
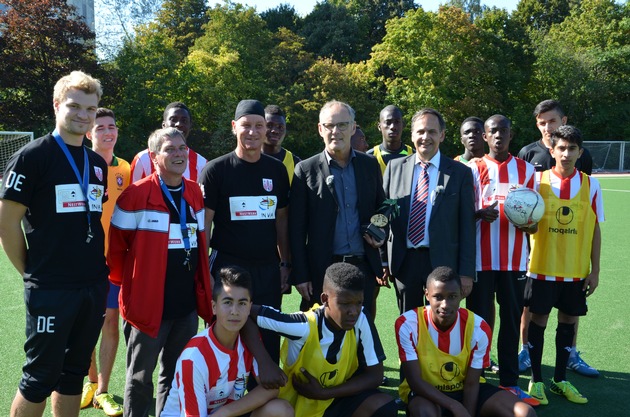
(609, 156)
(10, 142)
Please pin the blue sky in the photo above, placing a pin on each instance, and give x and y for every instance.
(303, 7)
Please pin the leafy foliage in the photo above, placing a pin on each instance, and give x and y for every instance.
(463, 60)
(40, 41)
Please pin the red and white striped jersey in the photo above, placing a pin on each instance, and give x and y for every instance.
(208, 376)
(450, 341)
(500, 245)
(566, 189)
(142, 166)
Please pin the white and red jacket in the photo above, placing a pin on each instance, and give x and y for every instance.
(138, 251)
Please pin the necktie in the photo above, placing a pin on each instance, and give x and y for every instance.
(418, 215)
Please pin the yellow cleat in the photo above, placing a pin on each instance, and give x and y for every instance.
(89, 389)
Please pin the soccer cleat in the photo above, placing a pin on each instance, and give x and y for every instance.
(89, 388)
(108, 404)
(537, 391)
(577, 364)
(568, 390)
(494, 367)
(524, 362)
(522, 395)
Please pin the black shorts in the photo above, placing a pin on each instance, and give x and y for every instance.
(485, 392)
(567, 297)
(62, 328)
(345, 406)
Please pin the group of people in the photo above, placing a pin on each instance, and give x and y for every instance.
(179, 237)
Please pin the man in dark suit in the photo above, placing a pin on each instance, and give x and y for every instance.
(333, 196)
(439, 228)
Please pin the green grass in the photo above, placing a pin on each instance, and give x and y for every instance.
(603, 336)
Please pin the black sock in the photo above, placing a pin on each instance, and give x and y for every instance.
(536, 336)
(564, 341)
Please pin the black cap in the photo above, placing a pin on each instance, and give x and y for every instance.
(246, 107)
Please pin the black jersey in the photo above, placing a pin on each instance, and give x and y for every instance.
(538, 155)
(40, 177)
(245, 197)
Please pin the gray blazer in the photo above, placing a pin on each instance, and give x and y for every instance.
(452, 224)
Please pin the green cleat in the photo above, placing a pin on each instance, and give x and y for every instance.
(568, 390)
(108, 404)
(537, 390)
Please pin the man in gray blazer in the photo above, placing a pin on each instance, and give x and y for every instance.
(439, 228)
(333, 196)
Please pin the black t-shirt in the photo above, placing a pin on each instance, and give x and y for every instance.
(245, 197)
(538, 155)
(41, 178)
(179, 287)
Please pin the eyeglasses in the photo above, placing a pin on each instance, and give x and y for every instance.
(341, 126)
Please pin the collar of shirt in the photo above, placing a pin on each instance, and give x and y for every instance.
(434, 162)
(329, 158)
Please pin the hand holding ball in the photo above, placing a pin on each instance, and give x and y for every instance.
(524, 207)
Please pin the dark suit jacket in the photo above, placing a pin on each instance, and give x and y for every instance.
(452, 223)
(313, 212)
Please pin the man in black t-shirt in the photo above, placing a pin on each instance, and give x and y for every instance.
(54, 188)
(549, 116)
(246, 195)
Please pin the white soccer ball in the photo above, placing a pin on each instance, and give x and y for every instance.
(523, 207)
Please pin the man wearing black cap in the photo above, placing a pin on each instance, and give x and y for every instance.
(246, 195)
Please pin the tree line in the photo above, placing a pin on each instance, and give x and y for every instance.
(464, 60)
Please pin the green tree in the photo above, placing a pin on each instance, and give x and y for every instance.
(331, 31)
(228, 64)
(371, 17)
(325, 80)
(540, 15)
(282, 16)
(444, 61)
(40, 41)
(472, 7)
(585, 63)
(183, 20)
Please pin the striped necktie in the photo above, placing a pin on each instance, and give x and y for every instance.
(418, 215)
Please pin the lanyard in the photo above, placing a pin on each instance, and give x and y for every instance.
(83, 182)
(182, 219)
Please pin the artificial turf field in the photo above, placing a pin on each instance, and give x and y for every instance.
(604, 335)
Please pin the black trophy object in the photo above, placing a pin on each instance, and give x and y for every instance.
(380, 220)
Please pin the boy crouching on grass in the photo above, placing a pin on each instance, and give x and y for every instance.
(564, 260)
(332, 354)
(212, 371)
(443, 349)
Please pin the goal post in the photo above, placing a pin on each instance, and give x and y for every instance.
(10, 142)
(609, 156)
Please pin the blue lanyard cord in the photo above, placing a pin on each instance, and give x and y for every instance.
(182, 218)
(83, 182)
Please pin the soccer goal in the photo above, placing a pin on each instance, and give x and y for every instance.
(609, 156)
(10, 142)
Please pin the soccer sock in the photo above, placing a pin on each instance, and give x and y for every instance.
(536, 342)
(564, 339)
(525, 347)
